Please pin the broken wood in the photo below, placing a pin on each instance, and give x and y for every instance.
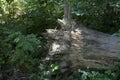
(82, 46)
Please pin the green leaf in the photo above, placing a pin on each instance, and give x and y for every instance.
(55, 68)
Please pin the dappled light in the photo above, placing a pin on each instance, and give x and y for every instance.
(59, 39)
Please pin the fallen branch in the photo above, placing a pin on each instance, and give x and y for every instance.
(83, 47)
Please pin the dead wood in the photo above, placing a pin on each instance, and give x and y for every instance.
(82, 46)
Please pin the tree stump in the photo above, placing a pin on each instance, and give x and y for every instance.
(82, 46)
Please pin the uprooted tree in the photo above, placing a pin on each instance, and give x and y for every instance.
(81, 46)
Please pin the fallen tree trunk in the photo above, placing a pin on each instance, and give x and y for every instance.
(82, 46)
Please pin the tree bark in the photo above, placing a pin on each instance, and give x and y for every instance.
(82, 46)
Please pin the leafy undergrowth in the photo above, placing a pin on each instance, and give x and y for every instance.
(76, 74)
(22, 57)
(53, 73)
(22, 48)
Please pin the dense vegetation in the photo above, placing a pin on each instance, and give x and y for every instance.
(22, 47)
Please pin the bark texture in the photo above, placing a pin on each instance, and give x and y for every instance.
(82, 46)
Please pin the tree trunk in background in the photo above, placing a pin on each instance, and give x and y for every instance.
(83, 47)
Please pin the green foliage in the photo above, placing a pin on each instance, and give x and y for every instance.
(26, 43)
(44, 72)
(23, 48)
(9, 1)
(100, 15)
(95, 75)
(20, 51)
